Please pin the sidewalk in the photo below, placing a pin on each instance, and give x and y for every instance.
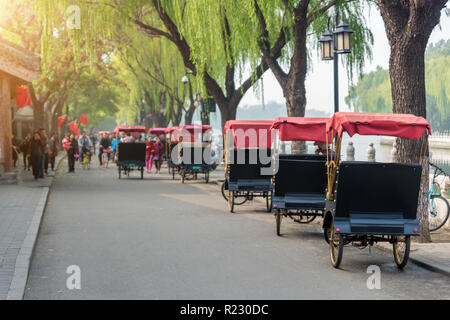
(21, 209)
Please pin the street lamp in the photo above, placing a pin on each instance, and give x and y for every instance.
(333, 44)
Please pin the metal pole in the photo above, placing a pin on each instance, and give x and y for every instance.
(336, 68)
(336, 82)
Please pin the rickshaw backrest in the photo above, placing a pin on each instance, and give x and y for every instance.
(318, 157)
(131, 151)
(196, 154)
(248, 169)
(377, 188)
(300, 176)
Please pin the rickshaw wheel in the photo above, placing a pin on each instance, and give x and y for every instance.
(307, 219)
(269, 201)
(326, 234)
(278, 221)
(120, 172)
(207, 176)
(401, 248)
(142, 173)
(336, 242)
(225, 196)
(183, 176)
(173, 174)
(231, 201)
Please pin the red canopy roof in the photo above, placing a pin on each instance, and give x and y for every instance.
(171, 129)
(301, 129)
(195, 127)
(157, 131)
(250, 133)
(379, 124)
(130, 129)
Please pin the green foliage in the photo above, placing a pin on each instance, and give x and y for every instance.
(372, 93)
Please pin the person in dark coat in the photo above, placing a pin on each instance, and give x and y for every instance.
(15, 150)
(53, 150)
(24, 149)
(35, 154)
(73, 149)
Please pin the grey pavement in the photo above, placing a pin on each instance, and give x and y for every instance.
(160, 239)
(20, 204)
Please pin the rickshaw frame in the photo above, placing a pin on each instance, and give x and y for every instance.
(368, 228)
(251, 188)
(134, 164)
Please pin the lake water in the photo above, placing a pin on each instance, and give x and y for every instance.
(440, 157)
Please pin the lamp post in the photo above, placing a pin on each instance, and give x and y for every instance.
(333, 44)
(204, 104)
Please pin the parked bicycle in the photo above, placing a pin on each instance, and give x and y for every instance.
(438, 207)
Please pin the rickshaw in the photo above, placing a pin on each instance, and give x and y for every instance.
(130, 156)
(370, 202)
(192, 149)
(247, 149)
(171, 142)
(301, 179)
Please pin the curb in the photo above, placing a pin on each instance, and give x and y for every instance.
(23, 262)
(426, 265)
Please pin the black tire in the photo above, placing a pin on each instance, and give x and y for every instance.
(225, 196)
(207, 176)
(231, 201)
(438, 216)
(142, 173)
(401, 248)
(120, 172)
(269, 197)
(183, 176)
(278, 222)
(326, 234)
(173, 173)
(336, 247)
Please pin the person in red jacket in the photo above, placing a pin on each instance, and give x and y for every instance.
(158, 153)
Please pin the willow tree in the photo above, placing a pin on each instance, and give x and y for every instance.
(408, 25)
(215, 54)
(299, 23)
(156, 79)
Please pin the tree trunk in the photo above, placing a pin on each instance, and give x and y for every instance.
(293, 86)
(408, 27)
(228, 112)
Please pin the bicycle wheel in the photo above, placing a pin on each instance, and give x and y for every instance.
(439, 211)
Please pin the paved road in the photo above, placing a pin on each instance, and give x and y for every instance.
(160, 239)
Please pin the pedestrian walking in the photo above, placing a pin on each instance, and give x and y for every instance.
(149, 150)
(45, 150)
(53, 150)
(24, 149)
(35, 154)
(15, 150)
(71, 152)
(104, 146)
(157, 157)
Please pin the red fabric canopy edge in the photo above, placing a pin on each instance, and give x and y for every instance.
(157, 131)
(382, 124)
(130, 129)
(301, 129)
(247, 142)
